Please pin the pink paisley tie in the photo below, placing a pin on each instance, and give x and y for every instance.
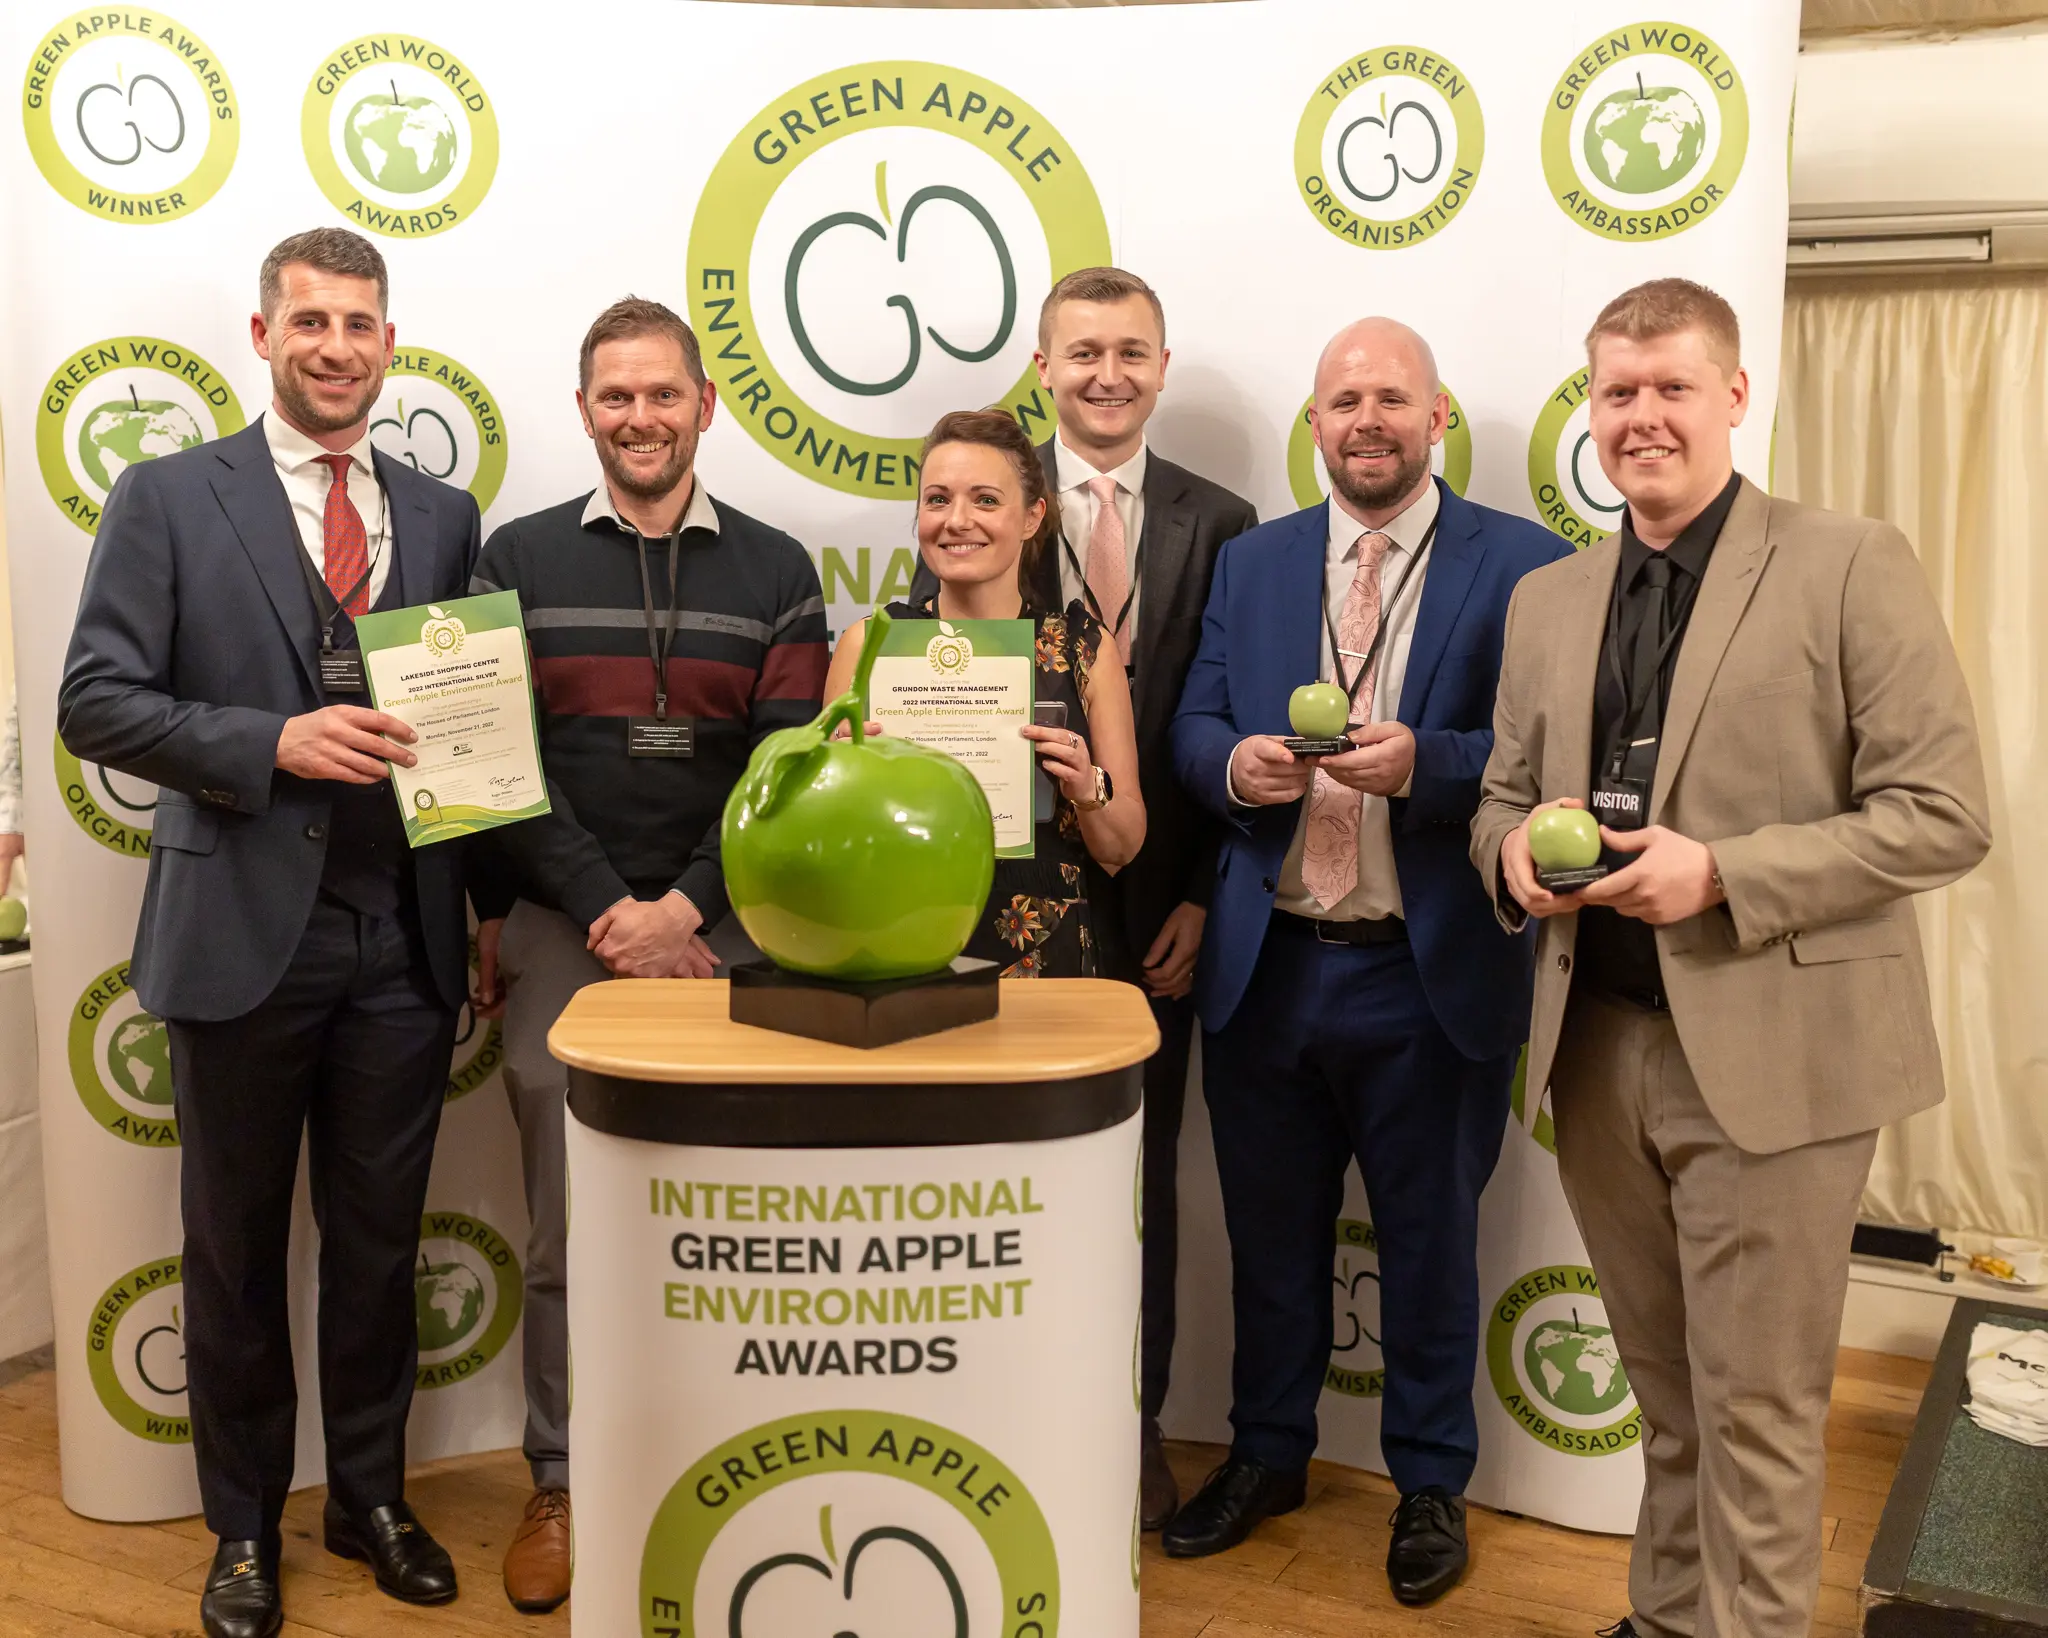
(1329, 855)
(1109, 572)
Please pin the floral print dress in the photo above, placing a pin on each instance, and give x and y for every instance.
(1037, 922)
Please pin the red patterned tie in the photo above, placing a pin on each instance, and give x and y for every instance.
(345, 547)
(1329, 854)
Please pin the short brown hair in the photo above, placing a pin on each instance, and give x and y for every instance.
(1665, 307)
(1096, 284)
(997, 429)
(331, 250)
(636, 316)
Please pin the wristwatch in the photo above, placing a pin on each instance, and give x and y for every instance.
(1104, 791)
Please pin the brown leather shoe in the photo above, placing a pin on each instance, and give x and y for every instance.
(537, 1562)
(1158, 1493)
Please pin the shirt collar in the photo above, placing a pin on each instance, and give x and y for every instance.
(291, 449)
(699, 514)
(1072, 471)
(1406, 530)
(1695, 542)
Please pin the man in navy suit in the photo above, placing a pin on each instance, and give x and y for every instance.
(307, 964)
(1357, 997)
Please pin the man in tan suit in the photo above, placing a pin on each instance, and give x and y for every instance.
(1763, 701)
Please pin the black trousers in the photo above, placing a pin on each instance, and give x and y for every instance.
(351, 1048)
(1166, 1090)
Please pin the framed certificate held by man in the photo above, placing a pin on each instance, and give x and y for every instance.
(964, 687)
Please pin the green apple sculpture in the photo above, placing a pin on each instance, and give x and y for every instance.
(1319, 710)
(1564, 845)
(13, 920)
(857, 859)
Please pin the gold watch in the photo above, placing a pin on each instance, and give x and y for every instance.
(1103, 792)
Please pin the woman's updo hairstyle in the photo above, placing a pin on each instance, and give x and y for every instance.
(997, 429)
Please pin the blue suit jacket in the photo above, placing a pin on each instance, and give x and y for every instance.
(1261, 638)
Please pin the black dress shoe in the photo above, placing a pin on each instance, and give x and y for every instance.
(410, 1564)
(241, 1598)
(1624, 1628)
(1428, 1552)
(1230, 1505)
(1158, 1491)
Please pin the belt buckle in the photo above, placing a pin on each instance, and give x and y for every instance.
(1322, 935)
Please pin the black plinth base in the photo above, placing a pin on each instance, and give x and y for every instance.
(1335, 746)
(1570, 881)
(864, 1015)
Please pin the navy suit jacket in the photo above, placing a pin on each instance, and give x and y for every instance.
(1262, 638)
(196, 638)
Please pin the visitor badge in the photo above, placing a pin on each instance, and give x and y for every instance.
(661, 736)
(341, 671)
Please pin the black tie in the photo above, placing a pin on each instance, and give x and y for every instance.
(1646, 661)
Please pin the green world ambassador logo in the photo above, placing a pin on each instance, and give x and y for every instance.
(129, 115)
(849, 1522)
(1355, 1367)
(439, 418)
(119, 402)
(1646, 132)
(467, 1294)
(1554, 1363)
(1309, 479)
(1572, 494)
(867, 254)
(400, 135)
(1389, 147)
(115, 810)
(135, 1353)
(120, 1058)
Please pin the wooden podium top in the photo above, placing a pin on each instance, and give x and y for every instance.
(676, 1030)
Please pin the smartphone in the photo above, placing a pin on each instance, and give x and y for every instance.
(1044, 714)
(1049, 713)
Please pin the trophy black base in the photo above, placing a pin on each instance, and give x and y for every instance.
(864, 1015)
(1570, 881)
(1336, 746)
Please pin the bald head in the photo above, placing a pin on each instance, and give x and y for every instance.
(1379, 410)
(1385, 342)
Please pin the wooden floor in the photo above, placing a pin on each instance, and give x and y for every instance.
(1315, 1574)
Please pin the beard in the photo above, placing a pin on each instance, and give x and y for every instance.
(313, 417)
(673, 471)
(1372, 495)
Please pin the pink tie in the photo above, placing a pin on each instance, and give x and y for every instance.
(345, 551)
(1329, 855)
(1109, 575)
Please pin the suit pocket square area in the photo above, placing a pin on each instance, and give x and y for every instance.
(184, 829)
(1849, 941)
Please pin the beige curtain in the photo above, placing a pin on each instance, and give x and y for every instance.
(1928, 405)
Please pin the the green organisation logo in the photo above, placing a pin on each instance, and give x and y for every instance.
(467, 1294)
(1554, 1363)
(1572, 493)
(849, 1522)
(1309, 480)
(437, 417)
(129, 115)
(135, 1352)
(479, 1047)
(1389, 147)
(1646, 132)
(118, 402)
(400, 134)
(115, 810)
(870, 251)
(120, 1058)
(1355, 1367)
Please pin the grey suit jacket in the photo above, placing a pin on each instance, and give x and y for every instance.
(1820, 737)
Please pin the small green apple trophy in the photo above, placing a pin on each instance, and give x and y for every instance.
(1564, 846)
(859, 866)
(1319, 713)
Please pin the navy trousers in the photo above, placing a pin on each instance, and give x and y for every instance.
(1332, 1055)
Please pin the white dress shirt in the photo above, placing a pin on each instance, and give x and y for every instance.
(698, 514)
(1072, 473)
(306, 483)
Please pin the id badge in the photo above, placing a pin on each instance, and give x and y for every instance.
(341, 671)
(661, 736)
(1621, 801)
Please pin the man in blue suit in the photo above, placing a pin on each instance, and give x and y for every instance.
(1357, 997)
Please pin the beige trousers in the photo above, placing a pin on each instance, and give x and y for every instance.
(1723, 1275)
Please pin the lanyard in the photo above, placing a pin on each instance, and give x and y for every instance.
(1388, 606)
(657, 651)
(1088, 591)
(1636, 692)
(326, 606)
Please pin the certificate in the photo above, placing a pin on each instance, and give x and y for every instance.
(455, 673)
(964, 687)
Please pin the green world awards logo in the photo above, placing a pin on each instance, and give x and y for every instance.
(130, 115)
(120, 1061)
(400, 135)
(1309, 479)
(1355, 1366)
(119, 402)
(467, 1293)
(437, 417)
(1389, 147)
(135, 1353)
(848, 1522)
(115, 810)
(1554, 1363)
(1646, 132)
(868, 253)
(1572, 494)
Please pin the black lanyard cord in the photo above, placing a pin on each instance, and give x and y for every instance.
(658, 650)
(1388, 608)
(1636, 692)
(1088, 592)
(326, 606)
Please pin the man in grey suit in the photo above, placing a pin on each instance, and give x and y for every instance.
(308, 965)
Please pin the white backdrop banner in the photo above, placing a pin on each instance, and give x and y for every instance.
(860, 211)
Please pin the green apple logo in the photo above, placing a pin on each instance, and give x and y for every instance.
(437, 440)
(1396, 170)
(441, 634)
(139, 1060)
(1575, 1366)
(448, 1300)
(400, 144)
(160, 1358)
(113, 436)
(736, 1615)
(1644, 140)
(857, 219)
(164, 94)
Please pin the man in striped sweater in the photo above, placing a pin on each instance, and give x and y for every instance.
(669, 633)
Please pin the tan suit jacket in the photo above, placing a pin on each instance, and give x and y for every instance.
(1820, 737)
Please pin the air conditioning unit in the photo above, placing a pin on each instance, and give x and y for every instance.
(1921, 156)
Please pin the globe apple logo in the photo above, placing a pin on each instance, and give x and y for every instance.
(135, 1353)
(1309, 480)
(120, 1062)
(467, 1295)
(1646, 139)
(114, 436)
(1355, 1367)
(401, 144)
(1572, 494)
(942, 1589)
(1552, 1359)
(160, 100)
(438, 417)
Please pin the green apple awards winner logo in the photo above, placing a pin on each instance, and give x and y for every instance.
(1554, 1363)
(400, 135)
(120, 1059)
(467, 1293)
(129, 115)
(1309, 480)
(435, 415)
(849, 1522)
(1646, 132)
(135, 1353)
(1389, 147)
(115, 810)
(1355, 1367)
(1572, 494)
(119, 402)
(866, 255)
